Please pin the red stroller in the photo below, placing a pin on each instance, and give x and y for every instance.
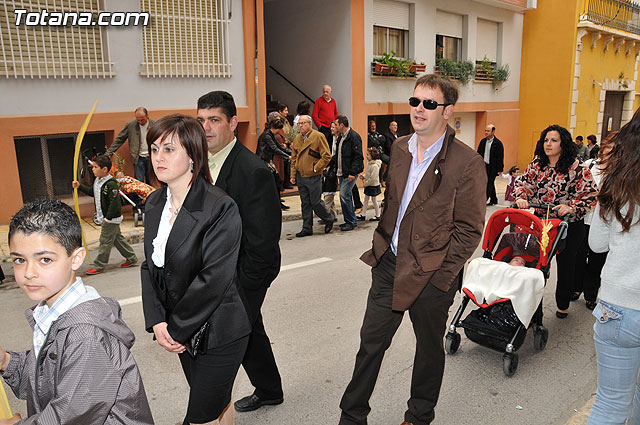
(496, 324)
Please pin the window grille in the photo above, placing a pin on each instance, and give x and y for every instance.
(186, 38)
(52, 51)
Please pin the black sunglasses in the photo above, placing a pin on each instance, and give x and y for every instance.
(427, 103)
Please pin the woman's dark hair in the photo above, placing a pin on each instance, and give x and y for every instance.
(374, 152)
(592, 137)
(281, 107)
(192, 138)
(303, 108)
(620, 178)
(569, 149)
(276, 124)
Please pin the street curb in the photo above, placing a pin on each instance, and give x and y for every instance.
(582, 415)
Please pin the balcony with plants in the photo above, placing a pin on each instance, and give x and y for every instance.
(389, 65)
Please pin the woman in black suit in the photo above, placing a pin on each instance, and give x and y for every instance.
(192, 236)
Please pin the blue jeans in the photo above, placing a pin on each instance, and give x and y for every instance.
(141, 169)
(617, 339)
(346, 201)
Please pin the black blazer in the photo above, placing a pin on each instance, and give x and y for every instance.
(496, 156)
(197, 283)
(352, 159)
(246, 178)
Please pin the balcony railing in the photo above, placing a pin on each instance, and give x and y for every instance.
(619, 14)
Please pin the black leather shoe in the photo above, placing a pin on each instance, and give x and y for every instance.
(347, 227)
(328, 226)
(283, 206)
(253, 402)
(561, 315)
(303, 233)
(591, 304)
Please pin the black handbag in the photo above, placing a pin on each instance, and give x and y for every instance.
(198, 342)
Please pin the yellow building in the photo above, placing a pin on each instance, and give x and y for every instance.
(579, 68)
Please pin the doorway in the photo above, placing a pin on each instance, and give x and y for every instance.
(612, 118)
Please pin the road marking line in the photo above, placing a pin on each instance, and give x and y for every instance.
(135, 300)
(132, 300)
(305, 263)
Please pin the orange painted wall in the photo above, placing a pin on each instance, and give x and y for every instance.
(548, 63)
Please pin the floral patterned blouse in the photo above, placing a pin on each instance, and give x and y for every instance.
(548, 186)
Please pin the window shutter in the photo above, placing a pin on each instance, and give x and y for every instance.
(487, 40)
(391, 14)
(448, 24)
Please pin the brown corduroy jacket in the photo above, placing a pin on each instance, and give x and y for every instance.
(443, 222)
(310, 156)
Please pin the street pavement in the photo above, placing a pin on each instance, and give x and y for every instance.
(313, 314)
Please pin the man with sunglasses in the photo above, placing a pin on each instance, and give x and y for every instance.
(431, 224)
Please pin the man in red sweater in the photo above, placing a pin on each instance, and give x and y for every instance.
(325, 111)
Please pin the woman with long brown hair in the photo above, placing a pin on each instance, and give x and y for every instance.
(616, 228)
(556, 176)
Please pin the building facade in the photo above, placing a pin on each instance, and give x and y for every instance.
(581, 71)
(50, 77)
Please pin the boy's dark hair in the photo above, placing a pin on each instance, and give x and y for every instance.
(103, 161)
(374, 152)
(219, 99)
(49, 217)
(343, 120)
(579, 138)
(513, 170)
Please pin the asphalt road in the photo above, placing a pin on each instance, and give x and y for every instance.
(313, 314)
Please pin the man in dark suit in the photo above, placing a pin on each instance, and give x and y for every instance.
(246, 178)
(431, 224)
(136, 132)
(390, 136)
(492, 150)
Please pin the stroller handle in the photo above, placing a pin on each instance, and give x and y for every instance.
(544, 207)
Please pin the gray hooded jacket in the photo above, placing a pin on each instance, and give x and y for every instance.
(86, 373)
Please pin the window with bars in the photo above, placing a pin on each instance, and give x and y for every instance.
(52, 51)
(186, 38)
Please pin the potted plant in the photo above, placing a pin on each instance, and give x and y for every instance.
(489, 71)
(390, 65)
(462, 71)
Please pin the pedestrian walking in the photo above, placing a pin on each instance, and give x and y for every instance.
(430, 226)
(371, 181)
(349, 163)
(329, 177)
(80, 369)
(492, 150)
(192, 236)
(241, 174)
(616, 227)
(556, 176)
(106, 194)
(310, 155)
(268, 146)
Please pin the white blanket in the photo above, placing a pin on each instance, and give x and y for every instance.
(490, 280)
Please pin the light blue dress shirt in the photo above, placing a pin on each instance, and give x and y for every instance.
(416, 172)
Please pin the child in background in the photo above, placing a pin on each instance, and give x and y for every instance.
(81, 361)
(511, 182)
(106, 193)
(371, 184)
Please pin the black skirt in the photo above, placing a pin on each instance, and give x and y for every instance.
(372, 190)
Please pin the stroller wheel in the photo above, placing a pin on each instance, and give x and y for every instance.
(509, 363)
(452, 342)
(135, 219)
(540, 337)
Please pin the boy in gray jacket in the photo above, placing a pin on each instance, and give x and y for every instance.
(85, 371)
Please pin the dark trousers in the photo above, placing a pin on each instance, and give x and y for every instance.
(357, 203)
(429, 317)
(258, 361)
(566, 261)
(588, 268)
(491, 186)
(210, 377)
(327, 135)
(310, 190)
